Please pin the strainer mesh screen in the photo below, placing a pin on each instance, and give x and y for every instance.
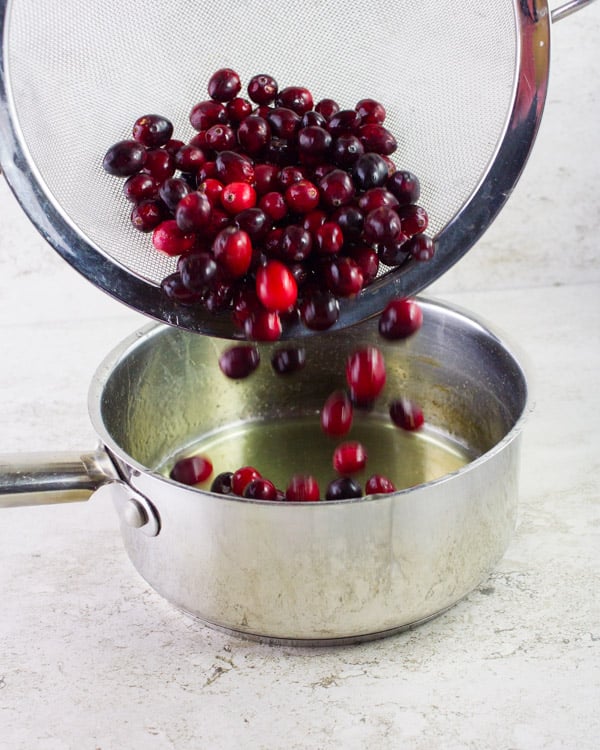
(80, 73)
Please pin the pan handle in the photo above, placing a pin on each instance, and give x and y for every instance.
(46, 478)
(565, 10)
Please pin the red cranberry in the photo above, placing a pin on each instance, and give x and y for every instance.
(371, 111)
(220, 137)
(221, 484)
(263, 325)
(327, 107)
(346, 150)
(266, 178)
(296, 98)
(289, 175)
(189, 159)
(260, 489)
(262, 89)
(193, 212)
(224, 85)
(349, 458)
(302, 488)
(329, 238)
(344, 121)
(124, 158)
(140, 187)
(284, 122)
(336, 188)
(152, 131)
(320, 311)
(405, 186)
(212, 188)
(287, 361)
(237, 196)
(302, 196)
(313, 144)
(232, 167)
(414, 219)
(169, 239)
(379, 485)
(147, 215)
(238, 109)
(400, 319)
(406, 414)
(191, 470)
(381, 225)
(276, 287)
(421, 247)
(242, 477)
(367, 260)
(173, 145)
(254, 134)
(238, 362)
(312, 220)
(173, 288)
(377, 138)
(343, 488)
(321, 170)
(295, 244)
(206, 171)
(376, 198)
(206, 114)
(344, 277)
(365, 373)
(274, 205)
(232, 249)
(337, 414)
(197, 270)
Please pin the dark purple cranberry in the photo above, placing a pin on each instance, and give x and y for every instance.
(218, 297)
(382, 225)
(152, 131)
(371, 111)
(124, 158)
(400, 319)
(346, 150)
(321, 170)
(263, 325)
(160, 164)
(173, 145)
(393, 252)
(405, 186)
(351, 219)
(313, 118)
(266, 178)
(260, 489)
(189, 158)
(290, 175)
(254, 134)
(313, 144)
(320, 311)
(344, 121)
(224, 85)
(377, 138)
(220, 137)
(336, 188)
(172, 191)
(197, 270)
(206, 114)
(370, 171)
(140, 187)
(238, 109)
(312, 220)
(233, 167)
(255, 222)
(239, 361)
(192, 213)
(406, 414)
(344, 277)
(414, 219)
(295, 244)
(147, 215)
(287, 361)
(421, 247)
(296, 98)
(343, 488)
(367, 260)
(281, 151)
(375, 198)
(222, 483)
(284, 122)
(327, 107)
(173, 288)
(262, 89)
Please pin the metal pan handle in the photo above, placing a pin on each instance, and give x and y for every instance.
(565, 10)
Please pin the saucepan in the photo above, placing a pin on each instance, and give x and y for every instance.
(319, 572)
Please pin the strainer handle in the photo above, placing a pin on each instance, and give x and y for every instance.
(565, 10)
(47, 478)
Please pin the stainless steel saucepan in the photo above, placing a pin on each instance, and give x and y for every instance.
(321, 572)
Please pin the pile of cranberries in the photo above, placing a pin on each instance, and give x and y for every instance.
(277, 207)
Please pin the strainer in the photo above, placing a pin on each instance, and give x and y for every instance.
(464, 87)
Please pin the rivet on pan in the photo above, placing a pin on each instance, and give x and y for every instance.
(134, 514)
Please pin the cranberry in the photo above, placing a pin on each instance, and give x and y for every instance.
(313, 144)
(321, 170)
(169, 239)
(232, 167)
(255, 222)
(191, 470)
(284, 122)
(394, 252)
(336, 188)
(289, 360)
(147, 215)
(406, 414)
(220, 137)
(376, 198)
(172, 191)
(224, 85)
(327, 107)
(206, 114)
(124, 158)
(189, 159)
(365, 374)
(405, 186)
(302, 196)
(173, 288)
(237, 196)
(289, 175)
(263, 325)
(296, 98)
(312, 220)
(421, 247)
(329, 238)
(221, 484)
(400, 319)
(266, 178)
(320, 311)
(243, 477)
(260, 489)
(344, 121)
(349, 458)
(212, 188)
(313, 118)
(238, 362)
(173, 145)
(377, 138)
(371, 111)
(254, 134)
(232, 249)
(379, 485)
(218, 297)
(344, 277)
(343, 488)
(160, 164)
(276, 287)
(302, 488)
(152, 131)
(197, 270)
(238, 109)
(140, 187)
(274, 205)
(337, 414)
(351, 219)
(381, 225)
(262, 89)
(295, 244)
(367, 260)
(346, 150)
(414, 219)
(193, 212)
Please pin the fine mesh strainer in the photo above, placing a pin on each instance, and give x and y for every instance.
(464, 89)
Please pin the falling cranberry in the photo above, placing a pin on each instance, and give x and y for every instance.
(224, 85)
(406, 414)
(172, 191)
(239, 362)
(242, 477)
(222, 483)
(238, 109)
(343, 488)
(365, 373)
(124, 158)
(337, 414)
(349, 458)
(289, 360)
(400, 319)
(303, 488)
(260, 489)
(379, 485)
(191, 470)
(320, 311)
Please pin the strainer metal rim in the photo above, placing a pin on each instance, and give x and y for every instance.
(454, 241)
